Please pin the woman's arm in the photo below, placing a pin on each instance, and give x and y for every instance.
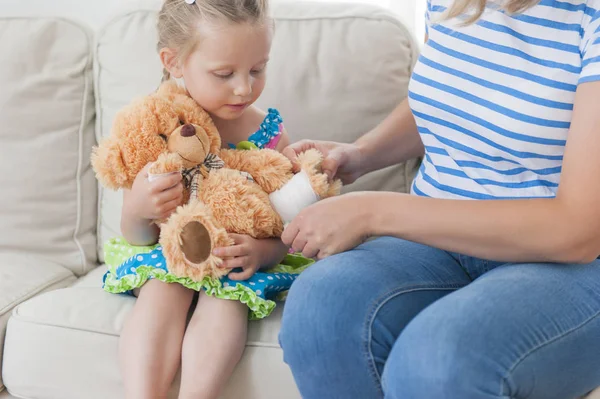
(564, 229)
(393, 141)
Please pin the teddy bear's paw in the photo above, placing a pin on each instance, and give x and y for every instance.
(166, 163)
(195, 243)
(310, 162)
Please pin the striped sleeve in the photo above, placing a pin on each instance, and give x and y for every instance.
(427, 16)
(590, 45)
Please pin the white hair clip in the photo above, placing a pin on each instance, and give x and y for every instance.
(190, 1)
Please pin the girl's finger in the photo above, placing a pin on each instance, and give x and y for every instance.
(166, 182)
(170, 194)
(240, 261)
(245, 275)
(232, 251)
(167, 209)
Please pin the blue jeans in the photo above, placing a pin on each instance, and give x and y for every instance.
(396, 319)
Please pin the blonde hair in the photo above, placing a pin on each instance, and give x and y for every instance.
(178, 21)
(474, 8)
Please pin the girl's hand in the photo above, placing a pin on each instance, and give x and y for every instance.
(154, 200)
(246, 253)
(330, 226)
(342, 161)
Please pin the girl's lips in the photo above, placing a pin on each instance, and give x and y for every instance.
(237, 106)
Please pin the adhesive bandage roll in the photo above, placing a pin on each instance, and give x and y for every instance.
(294, 196)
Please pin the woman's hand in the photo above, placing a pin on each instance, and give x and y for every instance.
(342, 161)
(250, 254)
(330, 226)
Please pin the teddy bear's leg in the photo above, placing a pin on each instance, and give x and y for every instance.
(188, 239)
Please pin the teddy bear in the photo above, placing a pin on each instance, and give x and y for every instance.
(252, 191)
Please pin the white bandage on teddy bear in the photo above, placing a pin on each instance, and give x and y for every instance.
(294, 196)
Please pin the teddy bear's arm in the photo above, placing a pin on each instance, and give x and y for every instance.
(167, 162)
(269, 168)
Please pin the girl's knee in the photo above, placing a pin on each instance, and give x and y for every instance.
(160, 294)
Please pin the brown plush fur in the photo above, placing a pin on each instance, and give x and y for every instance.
(169, 129)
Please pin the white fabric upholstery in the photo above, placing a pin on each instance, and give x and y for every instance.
(22, 277)
(308, 78)
(48, 202)
(63, 344)
(79, 327)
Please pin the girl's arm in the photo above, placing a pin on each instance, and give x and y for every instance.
(564, 229)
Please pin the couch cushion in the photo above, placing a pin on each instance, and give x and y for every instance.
(49, 196)
(63, 344)
(309, 77)
(22, 277)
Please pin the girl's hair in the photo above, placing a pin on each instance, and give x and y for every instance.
(178, 21)
(475, 8)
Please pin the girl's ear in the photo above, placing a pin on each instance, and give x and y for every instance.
(171, 63)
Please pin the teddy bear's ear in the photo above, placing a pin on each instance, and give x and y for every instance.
(107, 161)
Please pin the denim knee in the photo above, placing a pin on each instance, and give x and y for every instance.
(308, 310)
(437, 355)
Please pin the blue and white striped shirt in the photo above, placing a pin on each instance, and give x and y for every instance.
(493, 101)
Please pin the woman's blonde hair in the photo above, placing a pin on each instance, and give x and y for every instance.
(475, 8)
(178, 21)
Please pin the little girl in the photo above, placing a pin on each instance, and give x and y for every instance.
(217, 49)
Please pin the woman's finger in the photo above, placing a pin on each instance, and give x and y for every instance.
(310, 251)
(289, 234)
(334, 159)
(299, 243)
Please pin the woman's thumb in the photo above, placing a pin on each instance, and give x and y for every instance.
(332, 162)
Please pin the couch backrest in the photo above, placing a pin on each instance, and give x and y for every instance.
(336, 71)
(48, 205)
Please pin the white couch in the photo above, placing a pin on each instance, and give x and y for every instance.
(336, 71)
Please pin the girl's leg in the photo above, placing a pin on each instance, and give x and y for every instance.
(344, 313)
(213, 345)
(150, 344)
(519, 331)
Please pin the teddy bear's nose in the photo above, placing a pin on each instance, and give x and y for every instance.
(188, 130)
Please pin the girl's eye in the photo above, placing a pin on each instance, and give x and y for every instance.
(223, 75)
(258, 71)
(163, 136)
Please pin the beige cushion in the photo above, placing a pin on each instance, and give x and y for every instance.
(310, 78)
(64, 344)
(22, 277)
(48, 202)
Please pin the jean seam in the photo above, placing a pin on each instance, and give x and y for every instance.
(382, 301)
(540, 346)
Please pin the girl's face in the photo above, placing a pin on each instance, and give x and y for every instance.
(226, 72)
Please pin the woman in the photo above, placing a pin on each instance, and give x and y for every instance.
(493, 298)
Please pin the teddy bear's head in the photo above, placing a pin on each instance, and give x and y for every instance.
(165, 121)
